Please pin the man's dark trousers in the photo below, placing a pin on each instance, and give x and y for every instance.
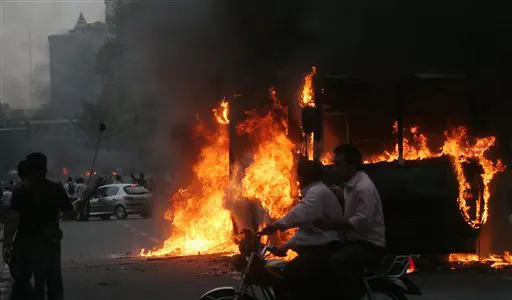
(307, 274)
(346, 265)
(41, 259)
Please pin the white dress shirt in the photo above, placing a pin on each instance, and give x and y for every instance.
(363, 209)
(318, 203)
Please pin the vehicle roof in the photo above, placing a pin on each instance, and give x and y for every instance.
(121, 185)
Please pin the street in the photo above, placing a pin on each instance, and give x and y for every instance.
(97, 265)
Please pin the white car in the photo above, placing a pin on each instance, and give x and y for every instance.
(120, 200)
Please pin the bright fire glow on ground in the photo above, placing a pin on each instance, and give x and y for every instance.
(493, 260)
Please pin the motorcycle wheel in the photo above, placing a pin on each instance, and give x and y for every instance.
(224, 294)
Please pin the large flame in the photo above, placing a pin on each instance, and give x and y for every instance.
(200, 224)
(462, 150)
(270, 177)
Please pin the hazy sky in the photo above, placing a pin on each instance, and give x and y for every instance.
(44, 18)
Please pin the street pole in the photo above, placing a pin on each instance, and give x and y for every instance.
(102, 129)
(400, 127)
(30, 68)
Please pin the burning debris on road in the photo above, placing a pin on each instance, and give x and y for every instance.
(494, 261)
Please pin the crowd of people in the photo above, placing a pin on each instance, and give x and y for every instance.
(30, 209)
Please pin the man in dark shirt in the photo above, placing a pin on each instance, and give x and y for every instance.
(37, 246)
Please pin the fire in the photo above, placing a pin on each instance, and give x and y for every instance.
(462, 150)
(200, 224)
(417, 149)
(327, 158)
(494, 260)
(270, 178)
(221, 113)
(307, 96)
(200, 221)
(307, 99)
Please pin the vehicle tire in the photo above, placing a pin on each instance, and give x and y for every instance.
(105, 217)
(385, 289)
(120, 212)
(224, 294)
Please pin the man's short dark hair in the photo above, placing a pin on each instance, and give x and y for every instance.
(310, 171)
(24, 169)
(352, 154)
(38, 162)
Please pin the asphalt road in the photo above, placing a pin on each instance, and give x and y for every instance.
(96, 266)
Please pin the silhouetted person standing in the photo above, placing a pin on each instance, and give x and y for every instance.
(37, 247)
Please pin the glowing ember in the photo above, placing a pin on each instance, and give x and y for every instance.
(462, 150)
(494, 260)
(200, 224)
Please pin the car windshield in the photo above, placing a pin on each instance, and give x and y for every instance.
(135, 190)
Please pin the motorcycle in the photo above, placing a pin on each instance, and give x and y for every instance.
(261, 275)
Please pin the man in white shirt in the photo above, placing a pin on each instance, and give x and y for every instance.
(308, 272)
(80, 188)
(363, 222)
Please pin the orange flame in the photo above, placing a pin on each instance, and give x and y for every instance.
(494, 260)
(269, 178)
(307, 99)
(221, 113)
(308, 95)
(200, 224)
(461, 149)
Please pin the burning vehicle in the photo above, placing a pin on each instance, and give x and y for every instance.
(435, 199)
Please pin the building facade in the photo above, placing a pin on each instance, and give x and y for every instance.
(72, 66)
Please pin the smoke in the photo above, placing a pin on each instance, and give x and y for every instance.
(41, 18)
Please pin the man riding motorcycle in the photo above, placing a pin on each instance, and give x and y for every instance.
(308, 271)
(363, 223)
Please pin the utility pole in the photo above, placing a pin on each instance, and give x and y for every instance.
(30, 68)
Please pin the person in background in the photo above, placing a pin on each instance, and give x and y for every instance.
(6, 195)
(69, 187)
(36, 250)
(80, 188)
(363, 223)
(118, 179)
(141, 180)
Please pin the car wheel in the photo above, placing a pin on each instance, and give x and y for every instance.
(105, 217)
(121, 212)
